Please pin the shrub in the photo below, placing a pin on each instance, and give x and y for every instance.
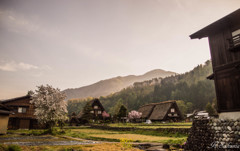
(2, 147)
(14, 148)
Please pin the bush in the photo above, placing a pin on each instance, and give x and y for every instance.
(2, 147)
(14, 148)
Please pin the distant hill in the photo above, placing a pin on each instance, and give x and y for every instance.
(106, 87)
(192, 88)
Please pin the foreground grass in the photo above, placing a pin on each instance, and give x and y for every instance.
(135, 136)
(95, 147)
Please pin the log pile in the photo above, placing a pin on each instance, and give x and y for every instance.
(214, 134)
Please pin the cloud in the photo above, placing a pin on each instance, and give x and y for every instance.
(13, 66)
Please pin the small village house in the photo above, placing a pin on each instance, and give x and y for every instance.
(23, 117)
(96, 110)
(74, 120)
(224, 42)
(163, 111)
(4, 117)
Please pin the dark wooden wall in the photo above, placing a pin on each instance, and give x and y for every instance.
(24, 102)
(21, 120)
(219, 49)
(225, 67)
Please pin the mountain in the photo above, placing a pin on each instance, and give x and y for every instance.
(108, 86)
(192, 90)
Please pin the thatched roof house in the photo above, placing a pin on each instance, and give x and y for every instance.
(163, 111)
(94, 111)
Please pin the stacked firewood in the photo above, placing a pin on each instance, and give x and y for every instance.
(214, 134)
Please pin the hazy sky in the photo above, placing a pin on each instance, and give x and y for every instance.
(70, 43)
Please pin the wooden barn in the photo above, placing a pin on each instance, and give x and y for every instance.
(224, 41)
(23, 117)
(163, 111)
(4, 117)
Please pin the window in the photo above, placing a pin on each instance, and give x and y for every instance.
(234, 42)
(172, 110)
(95, 107)
(236, 32)
(99, 112)
(91, 111)
(22, 110)
(169, 114)
(175, 115)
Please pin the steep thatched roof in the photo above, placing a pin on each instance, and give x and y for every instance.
(160, 110)
(157, 111)
(97, 101)
(80, 114)
(146, 110)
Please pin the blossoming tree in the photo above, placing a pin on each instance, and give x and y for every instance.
(133, 115)
(50, 105)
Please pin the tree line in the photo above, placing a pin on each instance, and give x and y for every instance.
(192, 89)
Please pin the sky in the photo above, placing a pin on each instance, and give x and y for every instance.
(73, 43)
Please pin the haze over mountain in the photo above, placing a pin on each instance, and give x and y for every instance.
(108, 86)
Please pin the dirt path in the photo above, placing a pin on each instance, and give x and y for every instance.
(44, 140)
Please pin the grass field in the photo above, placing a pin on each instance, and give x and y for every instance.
(95, 147)
(135, 136)
(153, 125)
(113, 136)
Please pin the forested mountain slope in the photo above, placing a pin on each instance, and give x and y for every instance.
(106, 87)
(191, 87)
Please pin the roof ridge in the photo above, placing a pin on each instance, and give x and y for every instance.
(169, 101)
(12, 99)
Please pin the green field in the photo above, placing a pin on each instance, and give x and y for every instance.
(139, 135)
(153, 125)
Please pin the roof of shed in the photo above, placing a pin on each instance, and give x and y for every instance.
(4, 109)
(14, 99)
(217, 25)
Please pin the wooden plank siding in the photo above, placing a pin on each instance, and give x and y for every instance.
(25, 120)
(227, 81)
(25, 102)
(225, 60)
(226, 75)
(219, 49)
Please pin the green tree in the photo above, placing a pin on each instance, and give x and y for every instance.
(189, 107)
(122, 112)
(115, 109)
(182, 106)
(87, 115)
(210, 109)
